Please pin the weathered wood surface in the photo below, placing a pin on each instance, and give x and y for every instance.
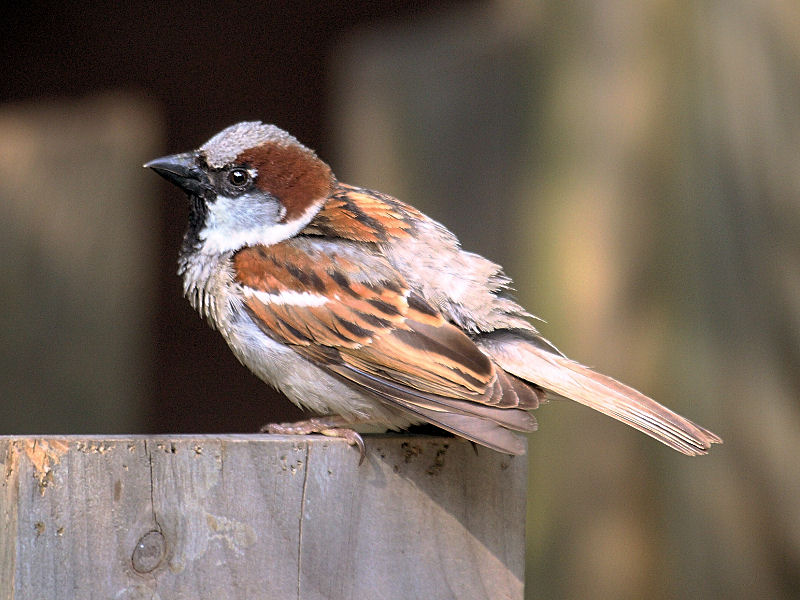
(258, 516)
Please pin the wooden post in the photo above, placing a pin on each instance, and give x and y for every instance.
(259, 516)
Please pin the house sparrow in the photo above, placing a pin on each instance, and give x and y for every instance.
(363, 310)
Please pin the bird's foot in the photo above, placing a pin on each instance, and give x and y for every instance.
(332, 426)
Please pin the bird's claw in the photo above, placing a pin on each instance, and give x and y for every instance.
(351, 436)
(322, 425)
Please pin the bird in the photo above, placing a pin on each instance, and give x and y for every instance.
(366, 312)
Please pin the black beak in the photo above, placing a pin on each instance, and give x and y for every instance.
(183, 171)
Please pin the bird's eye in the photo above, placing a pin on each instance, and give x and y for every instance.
(238, 177)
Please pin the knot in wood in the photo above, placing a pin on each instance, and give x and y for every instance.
(148, 552)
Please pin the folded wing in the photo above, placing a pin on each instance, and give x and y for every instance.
(361, 322)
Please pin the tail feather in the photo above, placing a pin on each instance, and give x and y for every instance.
(572, 380)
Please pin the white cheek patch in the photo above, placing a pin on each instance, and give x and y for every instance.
(233, 223)
(289, 297)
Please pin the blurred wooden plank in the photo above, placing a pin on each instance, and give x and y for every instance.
(259, 516)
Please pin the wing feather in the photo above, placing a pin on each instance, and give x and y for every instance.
(375, 333)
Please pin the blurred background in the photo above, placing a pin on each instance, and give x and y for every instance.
(634, 165)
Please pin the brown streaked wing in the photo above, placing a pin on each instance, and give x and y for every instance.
(363, 215)
(384, 339)
(301, 302)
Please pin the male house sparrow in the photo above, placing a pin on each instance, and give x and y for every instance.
(364, 310)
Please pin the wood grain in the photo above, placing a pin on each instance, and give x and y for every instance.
(257, 516)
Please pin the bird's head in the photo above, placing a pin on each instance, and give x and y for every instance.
(250, 184)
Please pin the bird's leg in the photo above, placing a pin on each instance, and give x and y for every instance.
(330, 425)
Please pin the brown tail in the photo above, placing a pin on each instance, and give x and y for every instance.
(556, 373)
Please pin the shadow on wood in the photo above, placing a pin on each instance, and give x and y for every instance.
(255, 516)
